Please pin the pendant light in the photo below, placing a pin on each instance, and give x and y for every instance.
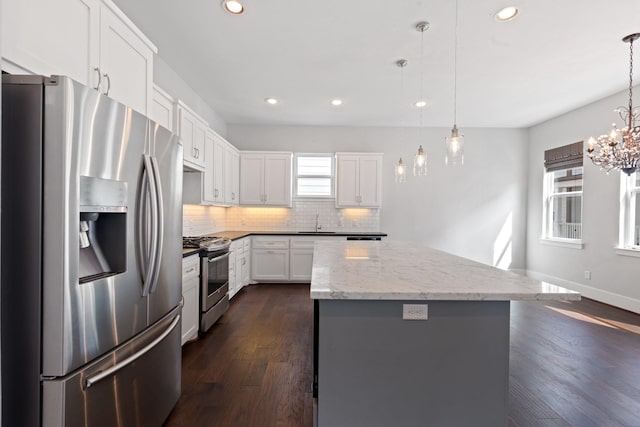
(420, 159)
(620, 149)
(400, 169)
(455, 142)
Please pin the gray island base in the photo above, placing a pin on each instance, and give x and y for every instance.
(373, 368)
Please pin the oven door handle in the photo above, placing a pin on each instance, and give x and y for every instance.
(219, 257)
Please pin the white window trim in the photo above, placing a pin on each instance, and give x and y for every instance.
(333, 175)
(547, 214)
(626, 246)
(563, 243)
(632, 252)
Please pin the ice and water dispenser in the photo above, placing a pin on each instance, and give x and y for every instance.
(102, 228)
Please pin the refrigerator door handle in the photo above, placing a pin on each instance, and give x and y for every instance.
(159, 223)
(153, 193)
(141, 209)
(118, 366)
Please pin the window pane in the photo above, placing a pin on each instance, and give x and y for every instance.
(567, 180)
(567, 217)
(314, 166)
(314, 187)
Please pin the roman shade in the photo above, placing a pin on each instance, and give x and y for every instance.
(565, 157)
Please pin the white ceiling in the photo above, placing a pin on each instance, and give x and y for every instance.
(556, 56)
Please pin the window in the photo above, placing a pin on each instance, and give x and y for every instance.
(314, 174)
(562, 216)
(630, 211)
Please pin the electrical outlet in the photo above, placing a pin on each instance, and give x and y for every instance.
(587, 274)
(415, 311)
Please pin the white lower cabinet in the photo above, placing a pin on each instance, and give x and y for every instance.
(283, 259)
(301, 258)
(233, 288)
(270, 259)
(239, 265)
(270, 264)
(190, 295)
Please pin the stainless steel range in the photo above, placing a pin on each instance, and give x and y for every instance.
(214, 277)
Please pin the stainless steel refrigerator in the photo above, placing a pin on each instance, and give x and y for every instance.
(91, 259)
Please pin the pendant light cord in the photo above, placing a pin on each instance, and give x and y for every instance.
(631, 122)
(455, 68)
(421, 72)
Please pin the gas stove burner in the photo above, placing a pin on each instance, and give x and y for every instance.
(209, 243)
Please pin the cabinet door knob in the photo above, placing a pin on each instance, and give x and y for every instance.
(106, 75)
(97, 87)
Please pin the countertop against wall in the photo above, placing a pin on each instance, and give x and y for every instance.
(235, 235)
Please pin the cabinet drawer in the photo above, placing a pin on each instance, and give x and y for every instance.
(301, 242)
(190, 267)
(271, 243)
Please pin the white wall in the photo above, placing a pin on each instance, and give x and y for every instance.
(615, 279)
(172, 83)
(477, 211)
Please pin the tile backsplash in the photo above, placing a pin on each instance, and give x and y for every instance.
(301, 216)
(198, 220)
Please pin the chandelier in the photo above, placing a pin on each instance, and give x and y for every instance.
(620, 149)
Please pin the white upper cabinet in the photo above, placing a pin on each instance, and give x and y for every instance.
(251, 179)
(193, 130)
(90, 41)
(265, 178)
(126, 63)
(216, 182)
(219, 148)
(359, 180)
(231, 175)
(161, 109)
(52, 37)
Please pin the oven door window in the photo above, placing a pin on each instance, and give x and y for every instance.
(218, 269)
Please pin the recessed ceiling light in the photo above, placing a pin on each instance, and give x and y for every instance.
(421, 104)
(336, 102)
(233, 6)
(271, 101)
(506, 14)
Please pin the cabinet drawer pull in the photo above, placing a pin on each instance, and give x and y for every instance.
(190, 270)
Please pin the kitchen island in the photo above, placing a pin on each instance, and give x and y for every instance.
(372, 367)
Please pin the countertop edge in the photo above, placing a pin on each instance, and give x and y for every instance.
(370, 296)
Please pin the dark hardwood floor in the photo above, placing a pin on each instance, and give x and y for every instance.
(572, 364)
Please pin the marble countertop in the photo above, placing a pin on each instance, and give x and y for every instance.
(393, 270)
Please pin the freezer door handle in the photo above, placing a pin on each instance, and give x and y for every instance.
(118, 366)
(153, 194)
(159, 224)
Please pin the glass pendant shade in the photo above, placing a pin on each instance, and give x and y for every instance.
(401, 171)
(420, 163)
(455, 148)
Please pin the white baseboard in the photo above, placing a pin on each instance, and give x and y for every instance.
(606, 297)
